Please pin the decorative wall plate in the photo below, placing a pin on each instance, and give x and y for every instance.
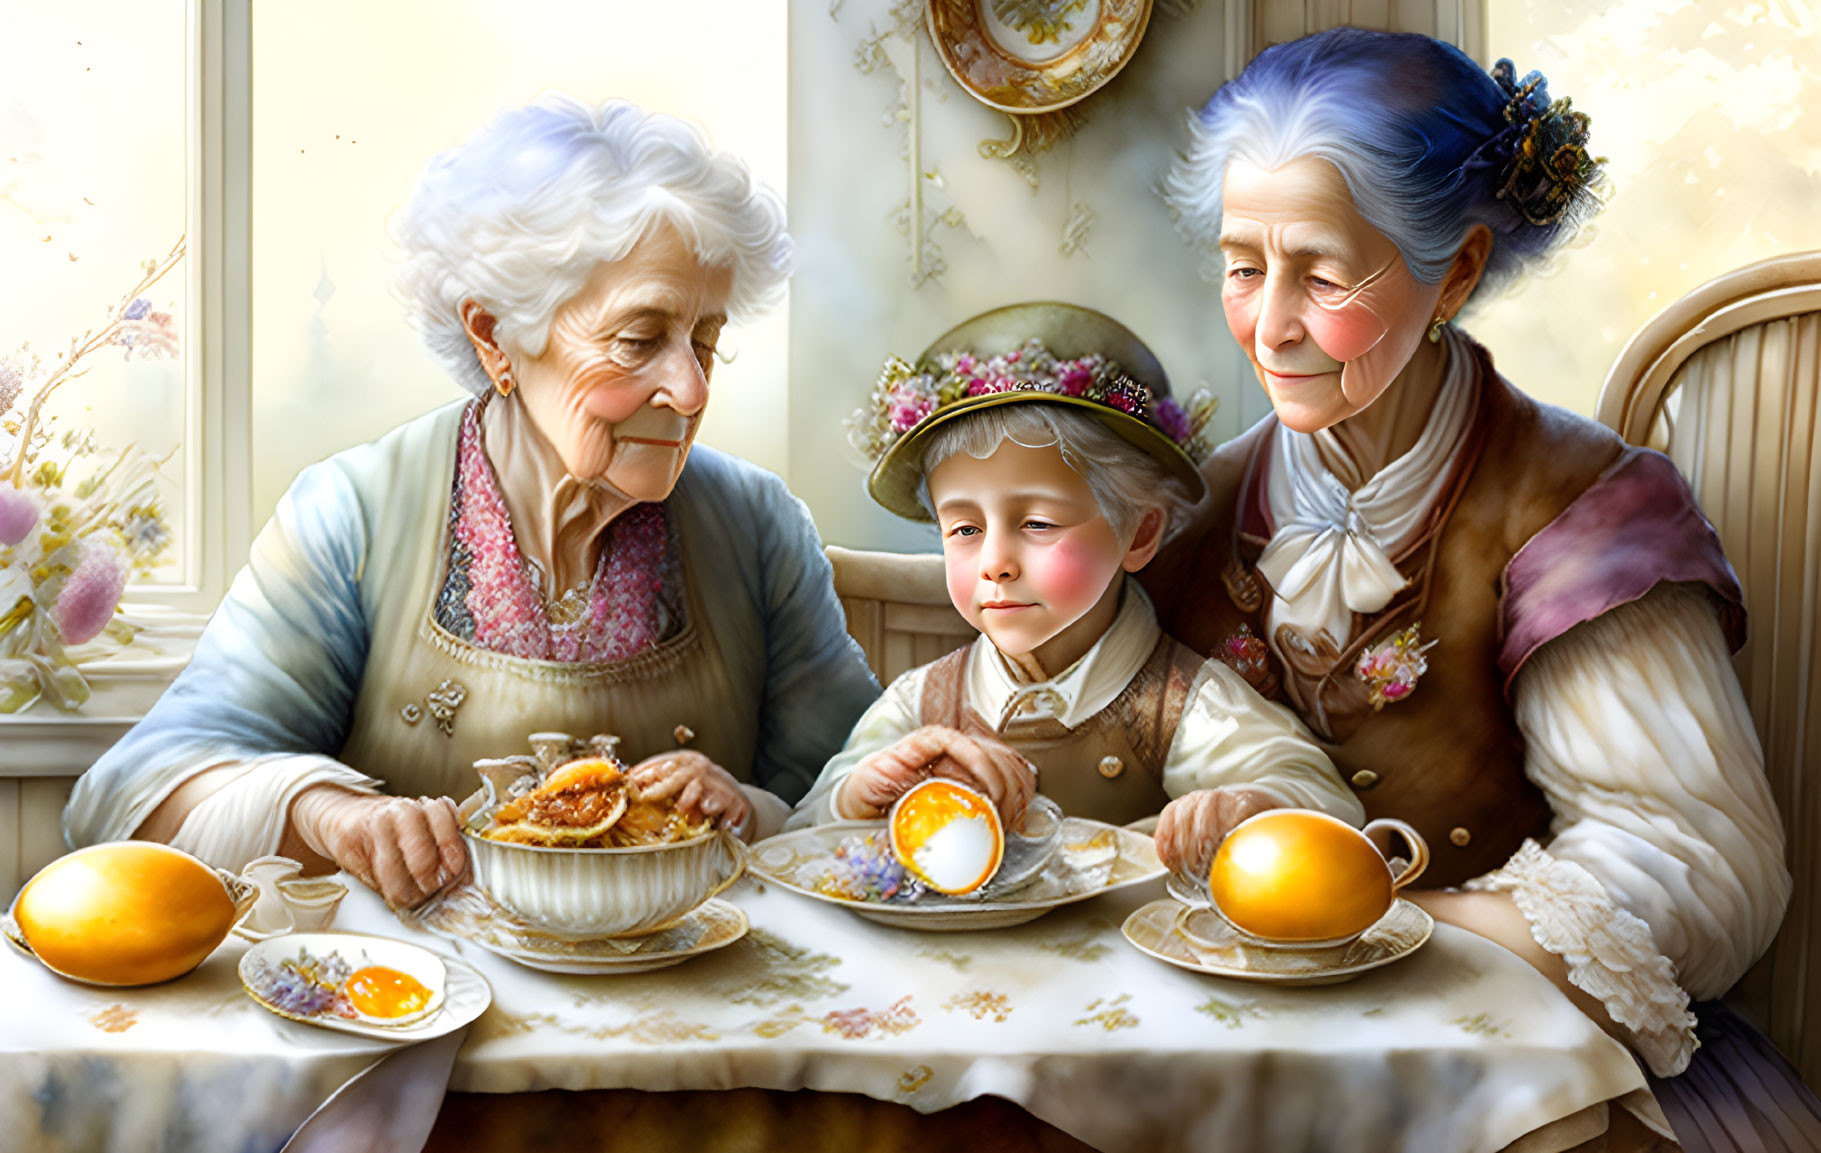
(1033, 56)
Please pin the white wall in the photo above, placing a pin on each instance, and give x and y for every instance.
(853, 303)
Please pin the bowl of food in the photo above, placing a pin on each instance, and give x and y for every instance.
(565, 840)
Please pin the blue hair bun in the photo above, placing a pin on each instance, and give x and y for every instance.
(1548, 171)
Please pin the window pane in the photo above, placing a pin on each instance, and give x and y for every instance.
(93, 183)
(335, 361)
(1706, 113)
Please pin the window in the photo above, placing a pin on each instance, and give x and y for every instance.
(112, 134)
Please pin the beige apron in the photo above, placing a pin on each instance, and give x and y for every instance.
(431, 704)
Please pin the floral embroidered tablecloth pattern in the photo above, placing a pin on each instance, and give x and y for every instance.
(1460, 1046)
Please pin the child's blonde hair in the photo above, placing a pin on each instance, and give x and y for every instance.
(1125, 480)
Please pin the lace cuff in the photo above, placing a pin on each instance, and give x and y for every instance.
(1610, 953)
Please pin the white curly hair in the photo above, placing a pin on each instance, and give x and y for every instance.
(1126, 481)
(518, 217)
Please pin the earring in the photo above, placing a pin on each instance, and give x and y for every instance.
(504, 383)
(1435, 329)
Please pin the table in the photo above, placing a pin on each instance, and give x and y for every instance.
(1460, 1046)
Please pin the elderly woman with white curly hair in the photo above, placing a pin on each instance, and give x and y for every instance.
(550, 555)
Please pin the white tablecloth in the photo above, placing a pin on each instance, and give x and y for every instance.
(1460, 1046)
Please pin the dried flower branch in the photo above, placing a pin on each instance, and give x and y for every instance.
(68, 549)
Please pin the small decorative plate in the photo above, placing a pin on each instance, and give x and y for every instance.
(1091, 858)
(1030, 56)
(460, 994)
(1219, 950)
(713, 925)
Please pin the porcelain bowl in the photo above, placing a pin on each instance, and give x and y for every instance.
(587, 894)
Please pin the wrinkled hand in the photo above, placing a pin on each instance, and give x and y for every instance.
(996, 770)
(1193, 825)
(406, 850)
(701, 787)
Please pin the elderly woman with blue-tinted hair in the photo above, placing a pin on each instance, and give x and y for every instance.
(1506, 627)
(549, 555)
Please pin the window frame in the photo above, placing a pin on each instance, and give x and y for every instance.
(217, 480)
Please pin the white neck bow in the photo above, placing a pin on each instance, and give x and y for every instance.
(1331, 554)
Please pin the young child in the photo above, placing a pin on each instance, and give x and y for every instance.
(1043, 442)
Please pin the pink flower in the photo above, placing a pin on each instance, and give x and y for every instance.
(18, 514)
(906, 414)
(1074, 380)
(150, 335)
(90, 595)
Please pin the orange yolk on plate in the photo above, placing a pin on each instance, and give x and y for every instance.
(381, 992)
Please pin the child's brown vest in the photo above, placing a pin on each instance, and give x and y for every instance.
(1107, 768)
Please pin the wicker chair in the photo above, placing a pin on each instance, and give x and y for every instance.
(897, 608)
(1725, 381)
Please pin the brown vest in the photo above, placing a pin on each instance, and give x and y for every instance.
(1076, 767)
(1447, 758)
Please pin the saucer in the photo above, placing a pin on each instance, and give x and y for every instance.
(463, 996)
(1152, 929)
(1091, 858)
(713, 925)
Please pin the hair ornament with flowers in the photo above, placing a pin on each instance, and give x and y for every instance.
(1549, 168)
(907, 395)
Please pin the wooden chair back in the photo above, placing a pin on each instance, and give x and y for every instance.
(898, 608)
(1725, 381)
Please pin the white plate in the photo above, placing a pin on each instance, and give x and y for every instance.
(790, 860)
(714, 925)
(462, 993)
(1222, 952)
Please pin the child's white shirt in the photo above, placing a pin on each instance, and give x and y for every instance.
(1228, 734)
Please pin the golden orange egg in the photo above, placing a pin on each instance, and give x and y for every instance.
(948, 835)
(124, 913)
(1298, 875)
(377, 991)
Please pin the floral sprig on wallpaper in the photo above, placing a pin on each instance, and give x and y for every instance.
(76, 520)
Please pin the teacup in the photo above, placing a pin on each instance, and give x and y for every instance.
(950, 836)
(1296, 878)
(288, 902)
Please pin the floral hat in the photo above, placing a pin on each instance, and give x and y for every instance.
(1044, 352)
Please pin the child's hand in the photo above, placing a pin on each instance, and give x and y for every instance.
(1193, 825)
(1000, 772)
